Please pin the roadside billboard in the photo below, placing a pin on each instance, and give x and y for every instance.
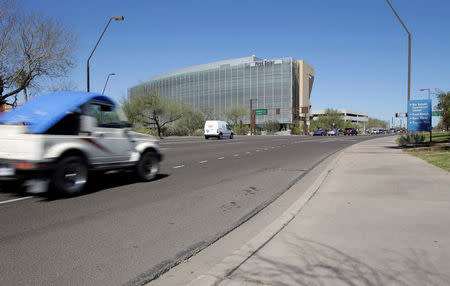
(419, 115)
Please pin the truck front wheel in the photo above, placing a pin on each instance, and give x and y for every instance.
(148, 166)
(70, 176)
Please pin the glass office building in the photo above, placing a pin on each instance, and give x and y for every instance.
(274, 85)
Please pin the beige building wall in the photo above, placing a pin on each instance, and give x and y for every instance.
(306, 81)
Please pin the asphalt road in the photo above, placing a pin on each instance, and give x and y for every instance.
(124, 232)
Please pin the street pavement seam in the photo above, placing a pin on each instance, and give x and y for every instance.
(222, 270)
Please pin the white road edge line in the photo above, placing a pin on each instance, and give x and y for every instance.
(180, 166)
(15, 200)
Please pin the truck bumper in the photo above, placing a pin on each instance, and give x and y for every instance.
(24, 170)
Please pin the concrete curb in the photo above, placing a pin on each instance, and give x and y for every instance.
(229, 264)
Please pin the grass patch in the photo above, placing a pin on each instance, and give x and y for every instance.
(440, 159)
(438, 137)
(418, 139)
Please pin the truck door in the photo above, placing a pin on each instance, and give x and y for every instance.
(108, 140)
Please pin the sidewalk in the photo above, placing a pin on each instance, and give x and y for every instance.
(380, 217)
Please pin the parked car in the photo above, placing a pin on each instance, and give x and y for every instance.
(320, 132)
(350, 131)
(59, 137)
(333, 132)
(218, 129)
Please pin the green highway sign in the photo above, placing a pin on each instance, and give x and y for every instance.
(436, 113)
(260, 111)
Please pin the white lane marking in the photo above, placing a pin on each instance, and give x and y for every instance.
(201, 162)
(220, 158)
(15, 200)
(257, 150)
(247, 153)
(235, 155)
(265, 149)
(273, 147)
(179, 166)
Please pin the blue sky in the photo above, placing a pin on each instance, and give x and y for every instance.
(357, 47)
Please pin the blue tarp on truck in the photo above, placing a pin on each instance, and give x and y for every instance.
(45, 110)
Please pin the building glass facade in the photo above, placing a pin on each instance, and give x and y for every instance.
(272, 84)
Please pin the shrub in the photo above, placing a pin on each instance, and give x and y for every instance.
(241, 131)
(271, 126)
(176, 131)
(295, 130)
(410, 139)
(198, 132)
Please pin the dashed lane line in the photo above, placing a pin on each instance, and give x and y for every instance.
(15, 200)
(179, 166)
(220, 158)
(202, 162)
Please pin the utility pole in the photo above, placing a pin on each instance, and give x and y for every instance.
(252, 117)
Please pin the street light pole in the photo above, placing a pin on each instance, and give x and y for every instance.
(409, 50)
(252, 117)
(103, 91)
(117, 18)
(423, 89)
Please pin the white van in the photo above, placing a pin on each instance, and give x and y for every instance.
(218, 129)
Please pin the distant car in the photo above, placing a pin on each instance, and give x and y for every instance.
(350, 131)
(320, 132)
(218, 129)
(333, 132)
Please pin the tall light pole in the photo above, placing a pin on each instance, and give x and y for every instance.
(117, 18)
(252, 117)
(423, 89)
(409, 51)
(103, 91)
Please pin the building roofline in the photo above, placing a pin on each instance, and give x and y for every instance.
(208, 66)
(343, 110)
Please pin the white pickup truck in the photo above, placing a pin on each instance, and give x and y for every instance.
(59, 137)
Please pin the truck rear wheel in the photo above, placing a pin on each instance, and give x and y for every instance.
(148, 166)
(70, 176)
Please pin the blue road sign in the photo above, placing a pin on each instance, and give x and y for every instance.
(419, 115)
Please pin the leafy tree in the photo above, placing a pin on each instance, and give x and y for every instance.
(331, 119)
(236, 113)
(146, 107)
(192, 120)
(208, 112)
(32, 47)
(444, 107)
(377, 123)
